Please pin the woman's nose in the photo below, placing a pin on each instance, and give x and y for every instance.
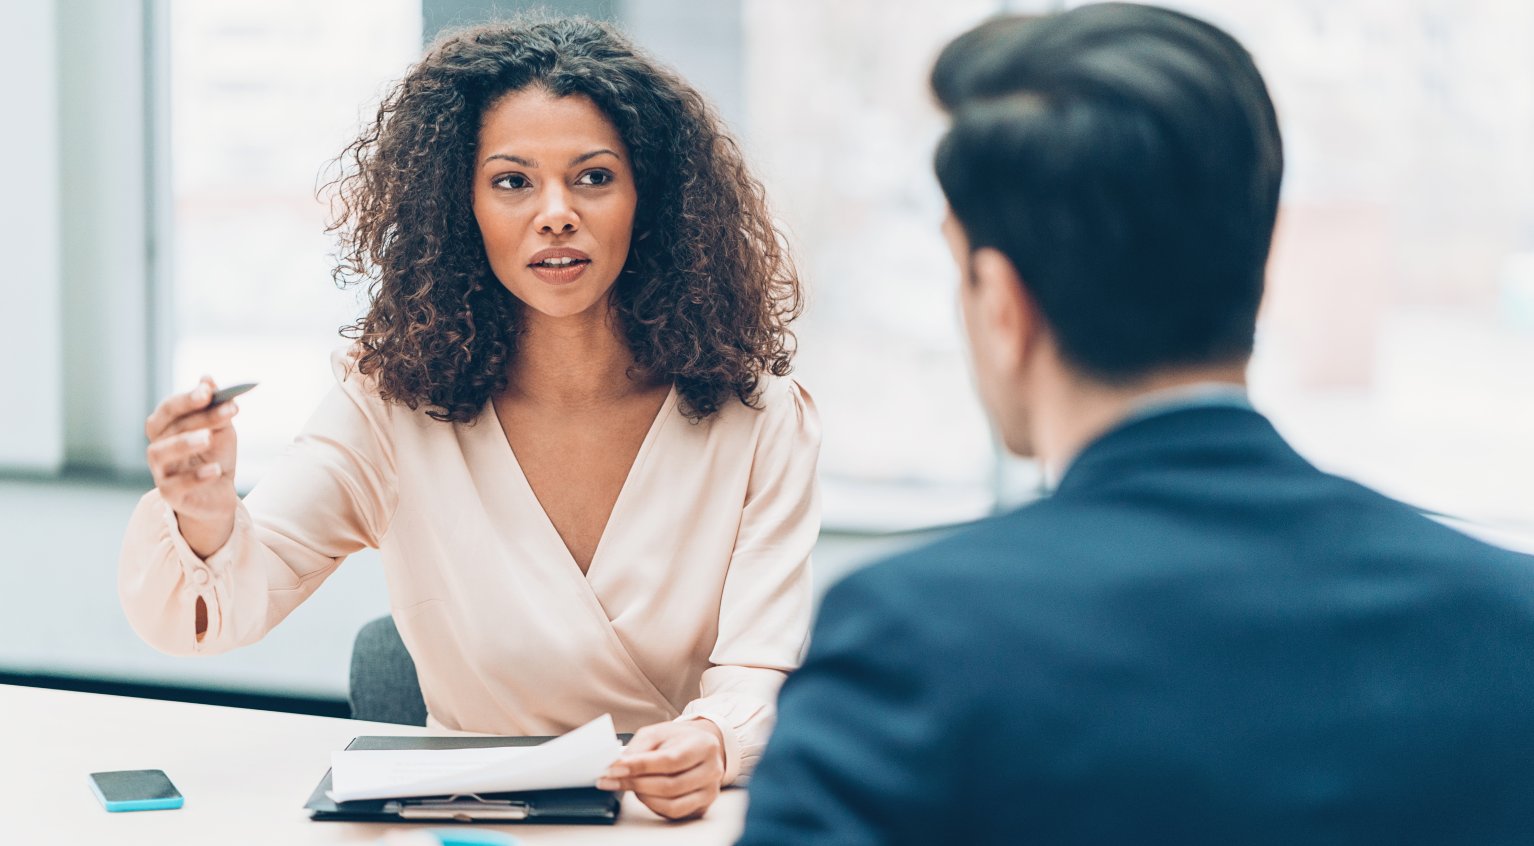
(556, 214)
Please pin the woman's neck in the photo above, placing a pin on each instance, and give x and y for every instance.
(573, 362)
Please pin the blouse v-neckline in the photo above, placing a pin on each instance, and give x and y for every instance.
(547, 527)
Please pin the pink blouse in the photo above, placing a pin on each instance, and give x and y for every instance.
(696, 603)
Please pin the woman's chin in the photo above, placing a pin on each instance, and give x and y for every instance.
(563, 307)
(584, 296)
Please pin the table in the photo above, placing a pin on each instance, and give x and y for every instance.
(245, 775)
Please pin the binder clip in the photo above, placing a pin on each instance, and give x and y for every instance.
(462, 807)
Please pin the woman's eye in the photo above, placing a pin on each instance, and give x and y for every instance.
(594, 177)
(513, 181)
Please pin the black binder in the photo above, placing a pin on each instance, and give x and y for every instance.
(577, 805)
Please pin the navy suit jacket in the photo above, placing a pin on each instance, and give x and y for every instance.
(1199, 638)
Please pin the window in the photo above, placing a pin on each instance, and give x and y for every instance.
(843, 136)
(1394, 345)
(263, 95)
(1397, 337)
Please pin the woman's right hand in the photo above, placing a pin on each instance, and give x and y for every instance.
(191, 454)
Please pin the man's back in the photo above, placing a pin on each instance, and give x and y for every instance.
(1198, 638)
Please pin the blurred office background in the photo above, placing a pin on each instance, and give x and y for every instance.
(163, 221)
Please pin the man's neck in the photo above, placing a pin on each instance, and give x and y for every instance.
(572, 362)
(1078, 411)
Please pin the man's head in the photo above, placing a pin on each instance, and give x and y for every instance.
(1112, 174)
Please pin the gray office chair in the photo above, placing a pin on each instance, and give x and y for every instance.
(384, 685)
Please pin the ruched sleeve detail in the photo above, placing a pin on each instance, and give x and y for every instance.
(764, 614)
(332, 493)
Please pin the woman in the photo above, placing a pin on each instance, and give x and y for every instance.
(565, 420)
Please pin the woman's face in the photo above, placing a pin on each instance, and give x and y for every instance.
(554, 198)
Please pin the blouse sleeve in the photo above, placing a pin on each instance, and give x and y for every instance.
(764, 614)
(332, 493)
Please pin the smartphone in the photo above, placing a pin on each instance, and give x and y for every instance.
(135, 790)
(226, 394)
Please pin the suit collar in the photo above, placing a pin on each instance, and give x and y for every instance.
(1198, 433)
(1166, 401)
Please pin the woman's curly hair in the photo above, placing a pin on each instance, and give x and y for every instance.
(706, 293)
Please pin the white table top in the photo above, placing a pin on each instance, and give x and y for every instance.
(245, 775)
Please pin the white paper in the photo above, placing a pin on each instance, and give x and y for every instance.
(576, 759)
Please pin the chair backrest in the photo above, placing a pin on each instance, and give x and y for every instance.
(384, 685)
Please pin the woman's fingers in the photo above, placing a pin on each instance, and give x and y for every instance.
(192, 456)
(195, 494)
(182, 485)
(668, 759)
(176, 406)
(174, 455)
(645, 739)
(666, 786)
(681, 807)
(217, 417)
(674, 768)
(670, 749)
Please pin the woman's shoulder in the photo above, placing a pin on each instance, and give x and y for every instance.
(784, 393)
(363, 390)
(357, 400)
(345, 366)
(780, 405)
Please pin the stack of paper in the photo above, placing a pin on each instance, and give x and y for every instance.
(575, 760)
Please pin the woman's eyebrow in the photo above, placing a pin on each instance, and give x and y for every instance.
(510, 158)
(591, 155)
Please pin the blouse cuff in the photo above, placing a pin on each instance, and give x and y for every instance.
(731, 744)
(745, 721)
(201, 577)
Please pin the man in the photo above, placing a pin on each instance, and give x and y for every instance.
(1199, 637)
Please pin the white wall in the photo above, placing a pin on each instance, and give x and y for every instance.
(31, 349)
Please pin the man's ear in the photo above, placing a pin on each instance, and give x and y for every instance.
(1010, 322)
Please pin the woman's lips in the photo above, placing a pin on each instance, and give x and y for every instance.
(559, 265)
(556, 275)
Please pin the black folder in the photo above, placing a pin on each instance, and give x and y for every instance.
(575, 805)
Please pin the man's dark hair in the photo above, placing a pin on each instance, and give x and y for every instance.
(1127, 160)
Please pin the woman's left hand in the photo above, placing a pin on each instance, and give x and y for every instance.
(674, 768)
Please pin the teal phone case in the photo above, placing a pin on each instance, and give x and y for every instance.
(472, 837)
(135, 790)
